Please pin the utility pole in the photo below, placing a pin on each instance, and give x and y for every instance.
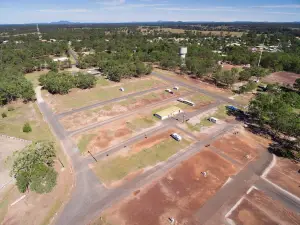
(92, 156)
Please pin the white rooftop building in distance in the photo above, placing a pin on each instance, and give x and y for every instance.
(60, 59)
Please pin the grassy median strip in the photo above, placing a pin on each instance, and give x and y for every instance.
(120, 166)
(221, 114)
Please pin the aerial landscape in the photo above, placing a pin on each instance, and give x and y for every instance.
(147, 112)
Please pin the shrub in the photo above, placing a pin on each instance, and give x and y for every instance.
(27, 128)
(4, 115)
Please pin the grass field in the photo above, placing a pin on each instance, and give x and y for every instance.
(78, 98)
(12, 125)
(198, 99)
(117, 168)
(84, 141)
(141, 123)
(34, 77)
(221, 114)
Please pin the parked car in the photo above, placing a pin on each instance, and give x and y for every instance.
(169, 91)
(176, 88)
(176, 136)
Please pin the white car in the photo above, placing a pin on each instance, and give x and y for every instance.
(180, 100)
(176, 88)
(169, 91)
(176, 136)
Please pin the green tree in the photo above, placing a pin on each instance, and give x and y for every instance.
(43, 178)
(297, 84)
(33, 167)
(85, 81)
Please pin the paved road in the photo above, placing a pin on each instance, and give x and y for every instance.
(73, 54)
(60, 115)
(279, 195)
(90, 197)
(113, 195)
(87, 188)
(232, 192)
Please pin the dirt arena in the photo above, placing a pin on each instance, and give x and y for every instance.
(286, 175)
(99, 139)
(281, 78)
(179, 194)
(240, 147)
(258, 208)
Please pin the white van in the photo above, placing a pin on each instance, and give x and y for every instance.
(213, 119)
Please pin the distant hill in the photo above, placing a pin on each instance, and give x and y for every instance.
(62, 22)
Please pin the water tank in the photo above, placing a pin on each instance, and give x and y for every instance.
(183, 50)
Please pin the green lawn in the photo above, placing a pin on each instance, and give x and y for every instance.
(221, 113)
(120, 166)
(84, 141)
(77, 99)
(12, 125)
(102, 81)
(34, 77)
(141, 123)
(197, 99)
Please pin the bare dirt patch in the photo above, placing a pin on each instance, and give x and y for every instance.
(285, 174)
(178, 194)
(99, 139)
(273, 208)
(226, 66)
(196, 82)
(259, 208)
(240, 147)
(248, 214)
(281, 78)
(84, 118)
(36, 209)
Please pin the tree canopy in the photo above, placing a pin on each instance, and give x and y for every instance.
(33, 167)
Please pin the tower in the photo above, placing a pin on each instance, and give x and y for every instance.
(182, 53)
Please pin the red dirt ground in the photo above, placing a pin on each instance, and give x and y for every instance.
(237, 147)
(285, 174)
(35, 208)
(248, 214)
(106, 136)
(178, 194)
(281, 77)
(259, 208)
(229, 66)
(272, 207)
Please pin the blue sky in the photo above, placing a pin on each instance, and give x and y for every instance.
(31, 11)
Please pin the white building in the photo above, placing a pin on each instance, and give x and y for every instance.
(60, 59)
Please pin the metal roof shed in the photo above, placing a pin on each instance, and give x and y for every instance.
(169, 112)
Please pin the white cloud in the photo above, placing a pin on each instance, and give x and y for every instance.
(291, 6)
(63, 10)
(111, 2)
(133, 6)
